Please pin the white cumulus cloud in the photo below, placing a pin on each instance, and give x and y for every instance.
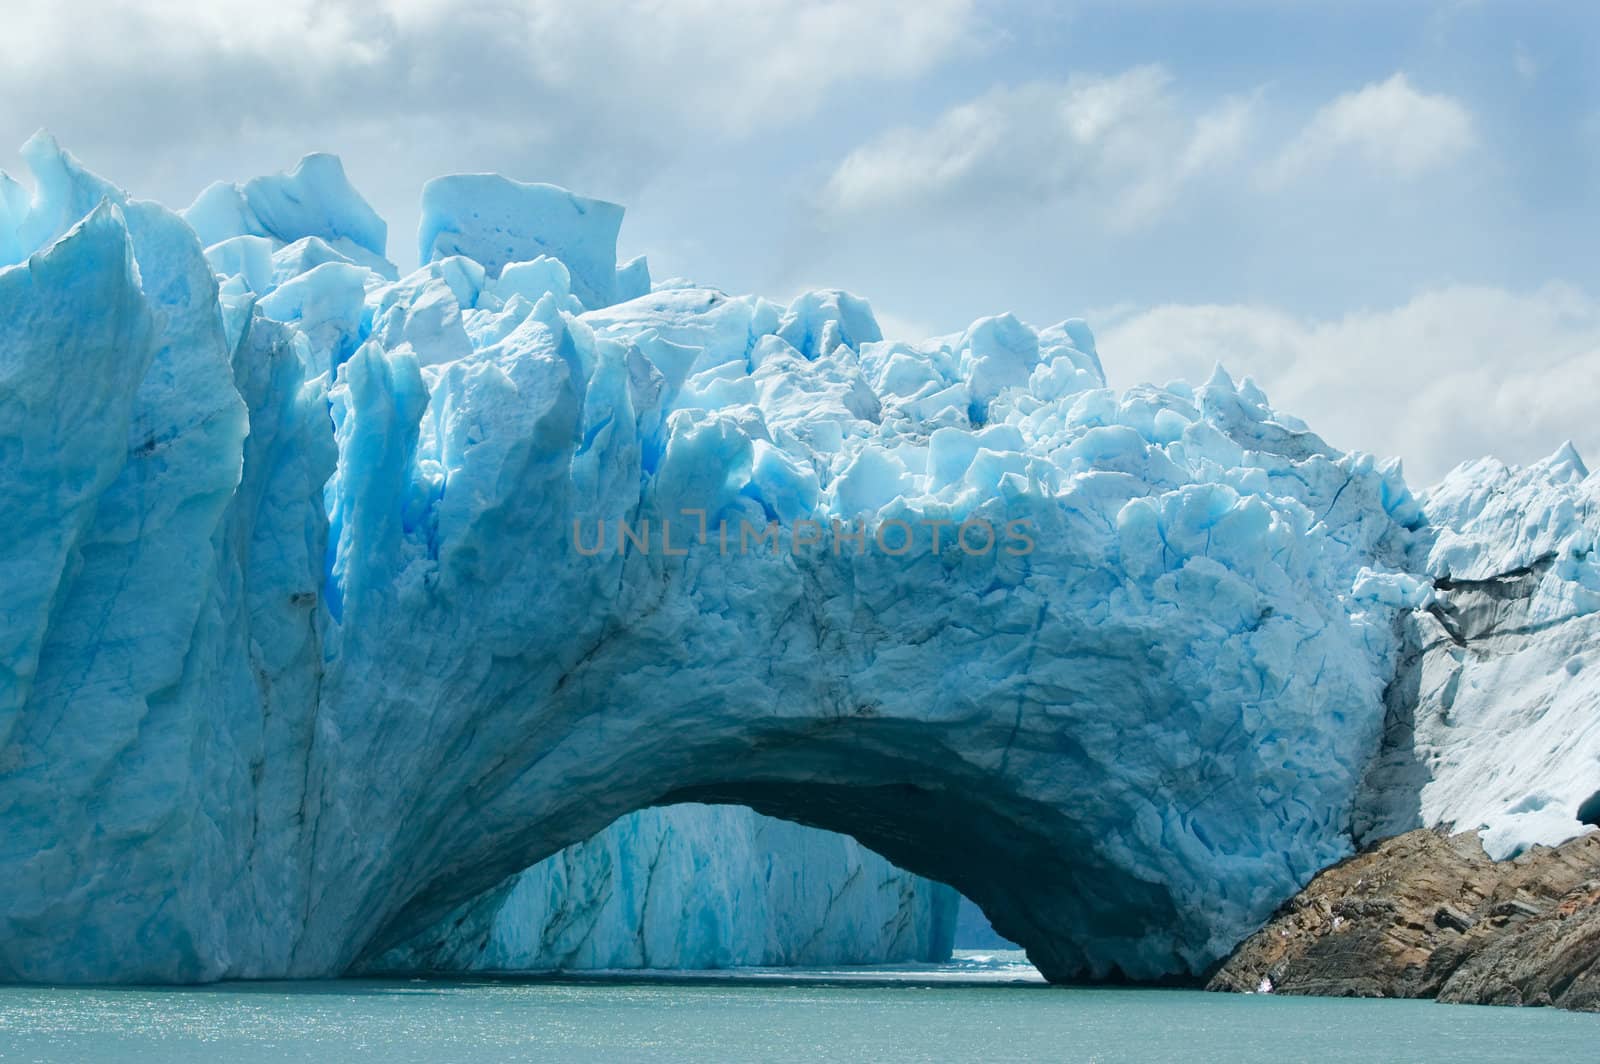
(1455, 373)
(166, 95)
(722, 63)
(1124, 144)
(1389, 127)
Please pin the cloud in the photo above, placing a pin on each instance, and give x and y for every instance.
(1123, 143)
(1454, 374)
(717, 62)
(1388, 127)
(166, 95)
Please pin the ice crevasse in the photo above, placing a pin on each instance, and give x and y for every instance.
(334, 598)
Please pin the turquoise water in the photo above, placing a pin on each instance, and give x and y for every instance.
(891, 1016)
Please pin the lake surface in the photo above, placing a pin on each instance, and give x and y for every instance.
(977, 1010)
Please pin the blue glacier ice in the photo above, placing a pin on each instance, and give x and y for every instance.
(335, 598)
(691, 886)
(496, 222)
(312, 207)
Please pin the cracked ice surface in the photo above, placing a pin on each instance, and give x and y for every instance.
(300, 653)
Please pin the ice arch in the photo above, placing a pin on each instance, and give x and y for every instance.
(303, 646)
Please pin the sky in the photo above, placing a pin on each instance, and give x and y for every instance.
(1387, 214)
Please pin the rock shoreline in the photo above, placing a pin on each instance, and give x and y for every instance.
(1430, 915)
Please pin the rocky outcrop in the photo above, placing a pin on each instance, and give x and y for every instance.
(1431, 915)
(1551, 959)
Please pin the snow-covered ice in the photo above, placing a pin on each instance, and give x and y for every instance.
(1499, 707)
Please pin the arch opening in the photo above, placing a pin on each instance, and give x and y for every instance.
(693, 887)
(1040, 879)
(1063, 912)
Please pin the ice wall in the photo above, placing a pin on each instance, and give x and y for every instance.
(1494, 721)
(694, 886)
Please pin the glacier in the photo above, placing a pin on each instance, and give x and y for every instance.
(1493, 720)
(336, 598)
(687, 887)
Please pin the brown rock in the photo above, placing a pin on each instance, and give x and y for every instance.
(1550, 959)
(1422, 911)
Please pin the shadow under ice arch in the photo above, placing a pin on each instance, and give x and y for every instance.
(922, 790)
(303, 655)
